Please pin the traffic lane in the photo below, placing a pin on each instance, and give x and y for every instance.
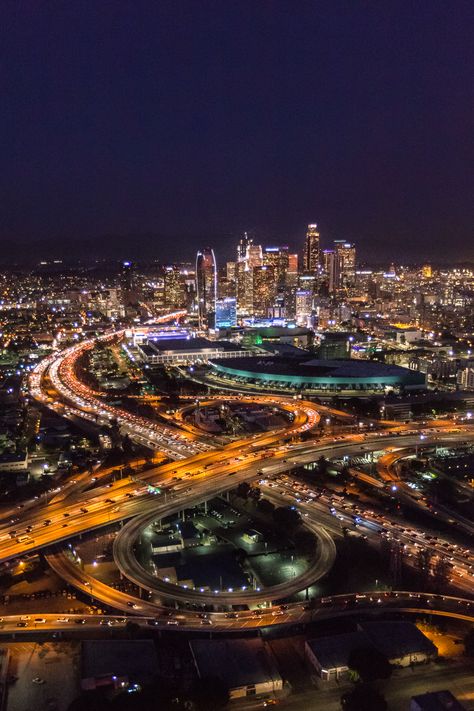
(339, 448)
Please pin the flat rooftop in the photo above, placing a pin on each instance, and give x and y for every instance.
(238, 662)
(188, 345)
(135, 659)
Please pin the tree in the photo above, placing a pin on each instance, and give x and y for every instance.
(243, 490)
(305, 542)
(369, 663)
(469, 643)
(210, 694)
(286, 517)
(127, 446)
(424, 565)
(322, 465)
(440, 574)
(255, 493)
(266, 507)
(363, 698)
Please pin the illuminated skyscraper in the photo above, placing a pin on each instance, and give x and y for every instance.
(293, 263)
(242, 247)
(330, 267)
(311, 257)
(346, 262)
(226, 312)
(304, 307)
(206, 287)
(278, 258)
(264, 290)
(253, 255)
(128, 285)
(173, 288)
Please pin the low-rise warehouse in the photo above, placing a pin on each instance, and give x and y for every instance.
(401, 643)
(243, 665)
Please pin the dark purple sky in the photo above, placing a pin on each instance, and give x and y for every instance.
(196, 120)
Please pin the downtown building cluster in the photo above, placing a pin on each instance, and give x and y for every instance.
(420, 317)
(271, 282)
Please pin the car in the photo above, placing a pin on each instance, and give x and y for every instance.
(38, 680)
(84, 510)
(22, 624)
(133, 605)
(172, 622)
(65, 525)
(106, 622)
(62, 619)
(40, 621)
(47, 522)
(66, 514)
(25, 618)
(80, 621)
(206, 622)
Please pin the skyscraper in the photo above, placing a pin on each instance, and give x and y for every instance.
(346, 262)
(206, 287)
(278, 258)
(331, 269)
(264, 290)
(242, 247)
(311, 257)
(174, 288)
(128, 285)
(226, 312)
(304, 307)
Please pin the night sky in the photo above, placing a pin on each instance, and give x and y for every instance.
(193, 121)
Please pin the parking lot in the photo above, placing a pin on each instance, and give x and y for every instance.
(55, 666)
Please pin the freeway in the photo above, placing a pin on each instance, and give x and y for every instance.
(197, 473)
(128, 565)
(372, 602)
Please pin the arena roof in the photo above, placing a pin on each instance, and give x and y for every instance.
(308, 371)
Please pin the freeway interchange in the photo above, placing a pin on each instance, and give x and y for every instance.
(199, 472)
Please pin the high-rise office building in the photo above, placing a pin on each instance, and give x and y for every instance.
(206, 287)
(278, 258)
(330, 268)
(226, 312)
(173, 288)
(242, 247)
(312, 253)
(293, 263)
(304, 307)
(253, 255)
(231, 271)
(264, 290)
(128, 285)
(244, 289)
(346, 259)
